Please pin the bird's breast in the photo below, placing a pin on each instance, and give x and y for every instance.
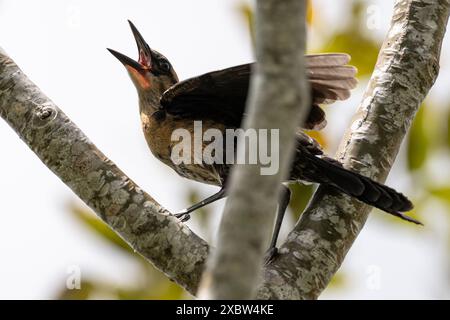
(171, 138)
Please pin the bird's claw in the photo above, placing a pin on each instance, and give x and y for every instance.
(270, 255)
(183, 216)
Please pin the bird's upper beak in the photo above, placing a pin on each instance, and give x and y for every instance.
(144, 62)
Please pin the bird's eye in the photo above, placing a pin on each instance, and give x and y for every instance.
(164, 66)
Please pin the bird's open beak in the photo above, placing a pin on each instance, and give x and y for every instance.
(145, 53)
(126, 60)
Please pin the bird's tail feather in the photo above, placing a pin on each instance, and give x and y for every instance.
(330, 172)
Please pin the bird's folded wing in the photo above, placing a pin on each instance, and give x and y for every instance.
(218, 95)
(221, 95)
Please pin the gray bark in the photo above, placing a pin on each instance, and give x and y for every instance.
(278, 99)
(64, 149)
(406, 69)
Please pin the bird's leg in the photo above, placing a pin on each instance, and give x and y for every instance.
(184, 216)
(283, 202)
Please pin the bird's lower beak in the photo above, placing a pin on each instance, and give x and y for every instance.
(145, 53)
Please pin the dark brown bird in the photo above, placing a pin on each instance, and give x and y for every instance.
(218, 100)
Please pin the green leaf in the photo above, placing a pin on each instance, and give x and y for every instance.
(247, 13)
(99, 227)
(301, 194)
(203, 214)
(338, 281)
(364, 51)
(152, 285)
(352, 40)
(167, 291)
(418, 142)
(320, 137)
(86, 289)
(442, 193)
(448, 130)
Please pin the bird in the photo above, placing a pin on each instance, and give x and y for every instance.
(218, 100)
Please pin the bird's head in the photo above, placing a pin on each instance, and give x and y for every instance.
(152, 73)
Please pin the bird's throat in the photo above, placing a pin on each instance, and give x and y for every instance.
(149, 102)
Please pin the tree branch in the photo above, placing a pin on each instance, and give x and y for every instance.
(278, 99)
(133, 214)
(406, 69)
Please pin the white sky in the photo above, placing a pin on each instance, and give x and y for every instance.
(61, 45)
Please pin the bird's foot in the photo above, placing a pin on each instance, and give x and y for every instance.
(270, 255)
(183, 215)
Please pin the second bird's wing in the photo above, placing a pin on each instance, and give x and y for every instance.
(221, 95)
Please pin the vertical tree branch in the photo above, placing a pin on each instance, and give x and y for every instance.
(278, 99)
(64, 149)
(406, 69)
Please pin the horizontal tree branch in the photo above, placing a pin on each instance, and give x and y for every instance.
(407, 67)
(149, 228)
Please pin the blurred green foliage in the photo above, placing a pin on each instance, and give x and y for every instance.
(418, 141)
(442, 193)
(363, 49)
(448, 129)
(247, 13)
(427, 139)
(99, 227)
(301, 194)
(203, 215)
(149, 284)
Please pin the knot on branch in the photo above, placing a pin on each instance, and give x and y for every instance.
(43, 114)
